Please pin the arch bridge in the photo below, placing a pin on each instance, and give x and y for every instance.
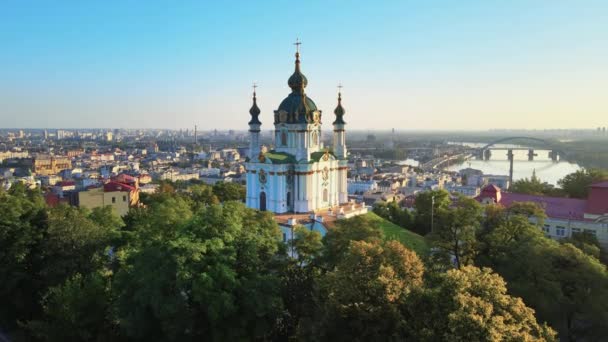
(485, 152)
(554, 150)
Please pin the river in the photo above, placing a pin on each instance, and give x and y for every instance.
(546, 169)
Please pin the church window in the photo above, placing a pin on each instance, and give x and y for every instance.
(315, 138)
(325, 195)
(283, 139)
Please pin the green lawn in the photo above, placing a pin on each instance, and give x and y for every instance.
(406, 237)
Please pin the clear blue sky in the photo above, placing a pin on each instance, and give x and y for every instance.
(404, 64)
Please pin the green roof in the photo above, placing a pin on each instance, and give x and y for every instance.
(280, 157)
(316, 156)
(409, 239)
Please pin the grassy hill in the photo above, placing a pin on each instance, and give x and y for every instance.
(394, 232)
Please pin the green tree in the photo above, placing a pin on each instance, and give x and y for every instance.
(424, 203)
(338, 239)
(392, 212)
(202, 195)
(530, 210)
(23, 220)
(78, 310)
(307, 244)
(588, 243)
(566, 287)
(73, 244)
(229, 191)
(533, 186)
(470, 304)
(456, 230)
(358, 300)
(214, 278)
(577, 183)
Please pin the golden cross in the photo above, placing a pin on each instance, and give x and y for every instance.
(255, 85)
(297, 44)
(340, 87)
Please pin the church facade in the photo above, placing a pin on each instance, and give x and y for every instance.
(299, 175)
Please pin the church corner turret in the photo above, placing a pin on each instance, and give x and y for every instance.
(254, 127)
(339, 139)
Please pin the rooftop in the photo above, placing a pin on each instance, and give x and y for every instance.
(280, 157)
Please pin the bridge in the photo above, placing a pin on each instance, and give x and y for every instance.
(485, 152)
(554, 150)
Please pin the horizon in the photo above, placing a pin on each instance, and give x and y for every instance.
(466, 67)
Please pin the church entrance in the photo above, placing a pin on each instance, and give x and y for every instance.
(262, 201)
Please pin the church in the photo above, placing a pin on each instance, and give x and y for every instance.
(299, 175)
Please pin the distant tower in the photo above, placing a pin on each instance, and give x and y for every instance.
(339, 134)
(254, 128)
(195, 136)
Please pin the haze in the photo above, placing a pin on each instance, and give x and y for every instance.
(409, 65)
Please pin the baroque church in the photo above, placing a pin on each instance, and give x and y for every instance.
(299, 175)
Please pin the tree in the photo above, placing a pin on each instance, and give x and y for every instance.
(73, 244)
(456, 229)
(424, 203)
(566, 287)
(588, 243)
(392, 212)
(470, 304)
(533, 186)
(358, 300)
(214, 278)
(307, 243)
(202, 195)
(530, 210)
(77, 310)
(41, 248)
(577, 183)
(22, 225)
(338, 239)
(229, 191)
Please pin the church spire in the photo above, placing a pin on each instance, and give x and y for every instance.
(297, 82)
(339, 111)
(255, 110)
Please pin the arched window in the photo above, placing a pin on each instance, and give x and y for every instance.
(325, 195)
(283, 139)
(315, 138)
(289, 198)
(262, 201)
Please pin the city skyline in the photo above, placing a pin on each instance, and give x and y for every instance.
(470, 66)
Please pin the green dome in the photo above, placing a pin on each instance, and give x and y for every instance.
(297, 105)
(296, 108)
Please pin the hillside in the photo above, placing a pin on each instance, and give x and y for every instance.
(406, 237)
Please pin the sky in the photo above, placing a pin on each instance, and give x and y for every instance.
(408, 65)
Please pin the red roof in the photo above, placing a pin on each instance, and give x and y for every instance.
(116, 186)
(491, 188)
(555, 207)
(66, 183)
(124, 178)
